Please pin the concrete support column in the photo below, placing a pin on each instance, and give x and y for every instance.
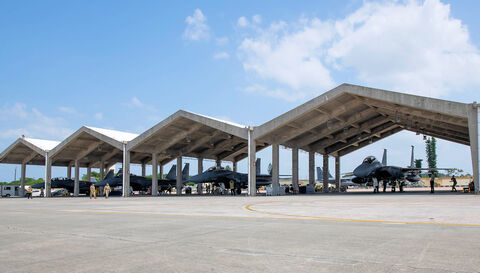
(102, 170)
(218, 163)
(337, 172)
(48, 176)
(126, 171)
(76, 184)
(69, 172)
(275, 168)
(234, 163)
(311, 168)
(200, 170)
(252, 175)
(154, 174)
(143, 169)
(22, 179)
(89, 173)
(161, 171)
(179, 175)
(325, 173)
(295, 170)
(473, 129)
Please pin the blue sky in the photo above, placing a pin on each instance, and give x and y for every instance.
(126, 65)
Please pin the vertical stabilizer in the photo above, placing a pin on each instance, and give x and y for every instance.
(186, 172)
(319, 174)
(257, 165)
(172, 174)
(412, 161)
(384, 159)
(110, 174)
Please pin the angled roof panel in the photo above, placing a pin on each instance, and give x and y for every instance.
(27, 150)
(349, 117)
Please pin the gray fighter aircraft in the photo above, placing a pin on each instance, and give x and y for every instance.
(371, 169)
(140, 183)
(66, 183)
(221, 176)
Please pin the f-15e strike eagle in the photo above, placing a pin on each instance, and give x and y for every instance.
(221, 177)
(140, 183)
(372, 170)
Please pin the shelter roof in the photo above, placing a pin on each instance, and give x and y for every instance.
(90, 146)
(27, 150)
(349, 117)
(189, 134)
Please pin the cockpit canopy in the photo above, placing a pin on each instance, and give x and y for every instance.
(369, 159)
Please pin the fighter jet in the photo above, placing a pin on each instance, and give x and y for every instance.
(68, 184)
(221, 177)
(140, 183)
(371, 169)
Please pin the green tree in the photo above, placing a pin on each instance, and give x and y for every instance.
(94, 175)
(431, 151)
(418, 163)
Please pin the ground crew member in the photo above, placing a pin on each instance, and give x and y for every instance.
(232, 187)
(454, 180)
(375, 185)
(29, 193)
(92, 191)
(432, 183)
(207, 188)
(107, 190)
(42, 193)
(385, 185)
(169, 189)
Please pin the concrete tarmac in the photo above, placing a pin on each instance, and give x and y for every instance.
(350, 232)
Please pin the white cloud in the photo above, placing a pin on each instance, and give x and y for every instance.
(136, 102)
(221, 41)
(18, 119)
(242, 21)
(290, 55)
(98, 116)
(197, 28)
(257, 19)
(414, 47)
(221, 55)
(411, 46)
(67, 110)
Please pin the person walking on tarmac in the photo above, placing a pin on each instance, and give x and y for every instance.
(107, 190)
(432, 183)
(92, 191)
(232, 187)
(29, 193)
(454, 180)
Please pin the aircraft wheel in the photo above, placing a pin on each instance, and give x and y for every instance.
(8, 195)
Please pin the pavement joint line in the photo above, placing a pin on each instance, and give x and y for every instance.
(333, 219)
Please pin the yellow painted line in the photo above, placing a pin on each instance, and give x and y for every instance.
(333, 219)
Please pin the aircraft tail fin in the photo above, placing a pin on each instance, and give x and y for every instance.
(320, 174)
(257, 165)
(384, 158)
(412, 160)
(186, 172)
(172, 174)
(110, 174)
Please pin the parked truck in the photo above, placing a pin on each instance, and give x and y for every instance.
(10, 190)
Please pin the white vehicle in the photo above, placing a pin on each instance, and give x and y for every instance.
(9, 190)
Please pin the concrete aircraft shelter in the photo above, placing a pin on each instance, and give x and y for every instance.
(27, 151)
(192, 135)
(89, 147)
(350, 117)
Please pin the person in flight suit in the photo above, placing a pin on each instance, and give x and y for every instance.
(232, 187)
(107, 190)
(92, 191)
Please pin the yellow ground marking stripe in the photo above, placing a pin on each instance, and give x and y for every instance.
(333, 219)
